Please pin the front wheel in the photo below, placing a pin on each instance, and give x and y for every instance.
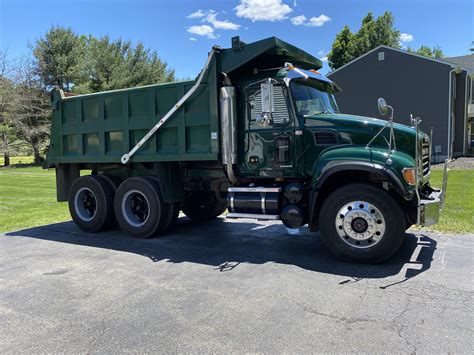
(362, 223)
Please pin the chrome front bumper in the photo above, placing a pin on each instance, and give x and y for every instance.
(429, 209)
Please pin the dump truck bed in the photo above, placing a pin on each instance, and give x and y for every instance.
(101, 127)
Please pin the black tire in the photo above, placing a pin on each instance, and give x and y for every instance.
(203, 206)
(91, 203)
(380, 214)
(113, 180)
(139, 208)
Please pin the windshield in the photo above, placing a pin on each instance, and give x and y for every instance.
(313, 97)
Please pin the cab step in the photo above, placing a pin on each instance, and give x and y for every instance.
(272, 217)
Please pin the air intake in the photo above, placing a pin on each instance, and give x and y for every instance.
(326, 138)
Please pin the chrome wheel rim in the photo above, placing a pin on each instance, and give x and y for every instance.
(360, 224)
(85, 204)
(135, 208)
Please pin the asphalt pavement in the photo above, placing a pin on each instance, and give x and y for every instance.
(230, 286)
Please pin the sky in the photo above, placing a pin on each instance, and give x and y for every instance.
(183, 31)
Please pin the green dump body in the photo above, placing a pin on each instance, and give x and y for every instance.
(101, 127)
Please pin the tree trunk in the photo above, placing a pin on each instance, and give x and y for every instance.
(38, 157)
(6, 150)
(6, 159)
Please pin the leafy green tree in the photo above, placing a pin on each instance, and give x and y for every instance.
(88, 64)
(118, 64)
(146, 67)
(434, 52)
(372, 33)
(106, 65)
(341, 52)
(7, 128)
(60, 58)
(31, 108)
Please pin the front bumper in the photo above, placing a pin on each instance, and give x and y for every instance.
(429, 209)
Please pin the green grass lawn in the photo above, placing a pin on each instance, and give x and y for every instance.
(458, 213)
(28, 159)
(28, 199)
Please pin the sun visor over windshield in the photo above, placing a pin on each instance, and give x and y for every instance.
(297, 73)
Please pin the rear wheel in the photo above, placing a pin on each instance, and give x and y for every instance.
(203, 206)
(114, 181)
(362, 223)
(91, 201)
(140, 209)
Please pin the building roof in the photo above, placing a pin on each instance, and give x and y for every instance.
(464, 61)
(441, 61)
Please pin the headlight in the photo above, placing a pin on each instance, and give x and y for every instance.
(409, 176)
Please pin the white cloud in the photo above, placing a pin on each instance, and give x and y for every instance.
(192, 39)
(406, 37)
(312, 22)
(324, 59)
(198, 14)
(203, 30)
(318, 21)
(222, 25)
(262, 10)
(298, 20)
(321, 53)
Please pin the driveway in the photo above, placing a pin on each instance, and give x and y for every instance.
(230, 286)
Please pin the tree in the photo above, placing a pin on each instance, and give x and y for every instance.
(88, 64)
(118, 64)
(434, 52)
(7, 133)
(31, 109)
(60, 58)
(341, 53)
(106, 66)
(372, 33)
(146, 67)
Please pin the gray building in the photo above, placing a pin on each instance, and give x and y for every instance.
(438, 91)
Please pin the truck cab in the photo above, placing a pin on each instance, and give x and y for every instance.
(259, 134)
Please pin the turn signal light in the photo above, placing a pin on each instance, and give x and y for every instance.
(409, 176)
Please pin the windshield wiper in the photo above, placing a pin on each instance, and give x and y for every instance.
(319, 113)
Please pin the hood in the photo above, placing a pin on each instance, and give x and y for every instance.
(359, 130)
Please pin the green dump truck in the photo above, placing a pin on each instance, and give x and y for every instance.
(258, 133)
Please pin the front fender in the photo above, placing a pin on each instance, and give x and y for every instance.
(363, 159)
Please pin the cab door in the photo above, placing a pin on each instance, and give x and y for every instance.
(269, 135)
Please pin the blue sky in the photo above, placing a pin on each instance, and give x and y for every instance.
(182, 35)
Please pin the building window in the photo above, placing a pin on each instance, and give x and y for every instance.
(381, 56)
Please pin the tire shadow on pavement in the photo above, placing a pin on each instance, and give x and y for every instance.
(225, 245)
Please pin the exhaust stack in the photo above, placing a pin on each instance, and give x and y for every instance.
(228, 118)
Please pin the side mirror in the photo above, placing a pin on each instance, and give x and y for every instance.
(382, 106)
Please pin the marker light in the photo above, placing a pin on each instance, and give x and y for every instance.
(409, 176)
